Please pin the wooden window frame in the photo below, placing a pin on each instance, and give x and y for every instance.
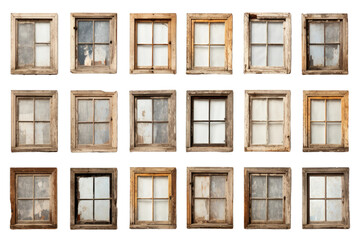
(228, 146)
(171, 145)
(268, 94)
(34, 17)
(343, 55)
(52, 223)
(53, 96)
(151, 171)
(112, 173)
(74, 67)
(94, 94)
(191, 172)
(344, 97)
(227, 18)
(306, 173)
(268, 17)
(170, 18)
(286, 174)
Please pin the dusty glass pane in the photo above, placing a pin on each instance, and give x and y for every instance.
(161, 210)
(258, 186)
(102, 110)
(26, 110)
(102, 55)
(144, 133)
(86, 187)
(85, 210)
(42, 56)
(217, 56)
(317, 133)
(144, 33)
(317, 210)
(144, 210)
(201, 109)
(144, 55)
(201, 133)
(201, 207)
(144, 109)
(102, 133)
(85, 55)
(218, 186)
(201, 33)
(160, 133)
(25, 56)
(333, 133)
(26, 34)
(332, 32)
(258, 210)
(161, 33)
(217, 132)
(317, 187)
(102, 31)
(333, 110)
(275, 32)
(316, 32)
(258, 133)
(42, 210)
(217, 209)
(201, 56)
(258, 109)
(316, 58)
(161, 187)
(160, 109)
(42, 187)
(85, 133)
(85, 31)
(334, 210)
(85, 110)
(26, 133)
(42, 110)
(275, 184)
(334, 187)
(317, 110)
(332, 55)
(276, 109)
(102, 210)
(275, 210)
(24, 187)
(24, 210)
(217, 109)
(258, 55)
(202, 186)
(42, 32)
(217, 33)
(102, 187)
(161, 55)
(42, 133)
(258, 32)
(144, 187)
(275, 56)
(276, 134)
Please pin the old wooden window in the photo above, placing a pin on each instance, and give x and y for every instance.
(209, 197)
(209, 121)
(93, 42)
(153, 43)
(33, 196)
(209, 43)
(153, 198)
(34, 121)
(267, 198)
(267, 38)
(267, 120)
(153, 120)
(93, 198)
(326, 198)
(34, 43)
(326, 117)
(324, 44)
(93, 121)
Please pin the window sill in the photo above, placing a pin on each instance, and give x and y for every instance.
(326, 226)
(267, 226)
(209, 149)
(34, 149)
(325, 149)
(33, 226)
(34, 71)
(153, 149)
(210, 225)
(93, 226)
(152, 226)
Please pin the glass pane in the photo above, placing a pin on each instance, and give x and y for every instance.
(25, 56)
(258, 186)
(102, 55)
(217, 56)
(333, 187)
(333, 133)
(201, 212)
(258, 133)
(275, 32)
(144, 133)
(276, 134)
(102, 133)
(26, 110)
(160, 109)
(144, 210)
(258, 32)
(42, 210)
(316, 33)
(160, 133)
(26, 133)
(102, 110)
(332, 32)
(85, 210)
(275, 187)
(85, 110)
(86, 187)
(26, 34)
(258, 55)
(317, 210)
(333, 110)
(217, 209)
(201, 133)
(102, 187)
(161, 187)
(332, 55)
(217, 132)
(201, 33)
(144, 55)
(334, 210)
(275, 210)
(275, 56)
(201, 109)
(217, 109)
(316, 56)
(42, 56)
(317, 187)
(161, 55)
(161, 33)
(144, 33)
(85, 55)
(42, 32)
(42, 133)
(85, 33)
(102, 31)
(42, 110)
(218, 186)
(85, 132)
(317, 133)
(102, 210)
(202, 187)
(161, 210)
(258, 209)
(317, 110)
(201, 56)
(217, 33)
(144, 109)
(24, 210)
(42, 187)
(276, 109)
(258, 109)
(24, 187)
(144, 187)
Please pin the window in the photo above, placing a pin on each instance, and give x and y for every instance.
(33, 196)
(209, 121)
(93, 121)
(324, 44)
(153, 198)
(267, 198)
(93, 198)
(267, 120)
(34, 43)
(153, 121)
(267, 42)
(153, 43)
(34, 121)
(93, 42)
(326, 116)
(209, 197)
(326, 198)
(209, 43)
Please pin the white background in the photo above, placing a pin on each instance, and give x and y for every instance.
(123, 82)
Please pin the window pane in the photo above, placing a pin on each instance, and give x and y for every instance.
(275, 56)
(102, 187)
(144, 187)
(276, 134)
(85, 210)
(144, 210)
(26, 133)
(317, 110)
(275, 187)
(160, 133)
(42, 210)
(144, 109)
(160, 33)
(317, 133)
(258, 186)
(333, 133)
(25, 209)
(332, 32)
(42, 133)
(258, 133)
(102, 210)
(201, 56)
(258, 32)
(42, 187)
(316, 32)
(217, 109)
(333, 110)
(86, 189)
(102, 110)
(317, 210)
(144, 33)
(317, 187)
(144, 56)
(258, 210)
(217, 33)
(144, 133)
(217, 209)
(201, 212)
(85, 33)
(275, 210)
(102, 133)
(201, 33)
(201, 133)
(42, 110)
(24, 187)
(161, 55)
(334, 210)
(102, 55)
(85, 55)
(258, 55)
(332, 55)
(25, 56)
(42, 32)
(316, 56)
(333, 187)
(217, 133)
(102, 31)
(42, 56)
(201, 109)
(161, 210)
(276, 109)
(160, 109)
(26, 110)
(25, 44)
(85, 132)
(85, 110)
(202, 187)
(161, 187)
(275, 32)
(217, 56)
(258, 109)
(218, 186)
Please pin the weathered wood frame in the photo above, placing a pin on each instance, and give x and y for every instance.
(112, 172)
(34, 17)
(153, 17)
(94, 94)
(343, 55)
(286, 175)
(171, 145)
(323, 95)
(228, 146)
(74, 67)
(52, 223)
(268, 94)
(151, 171)
(227, 18)
(344, 172)
(53, 96)
(268, 17)
(228, 171)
